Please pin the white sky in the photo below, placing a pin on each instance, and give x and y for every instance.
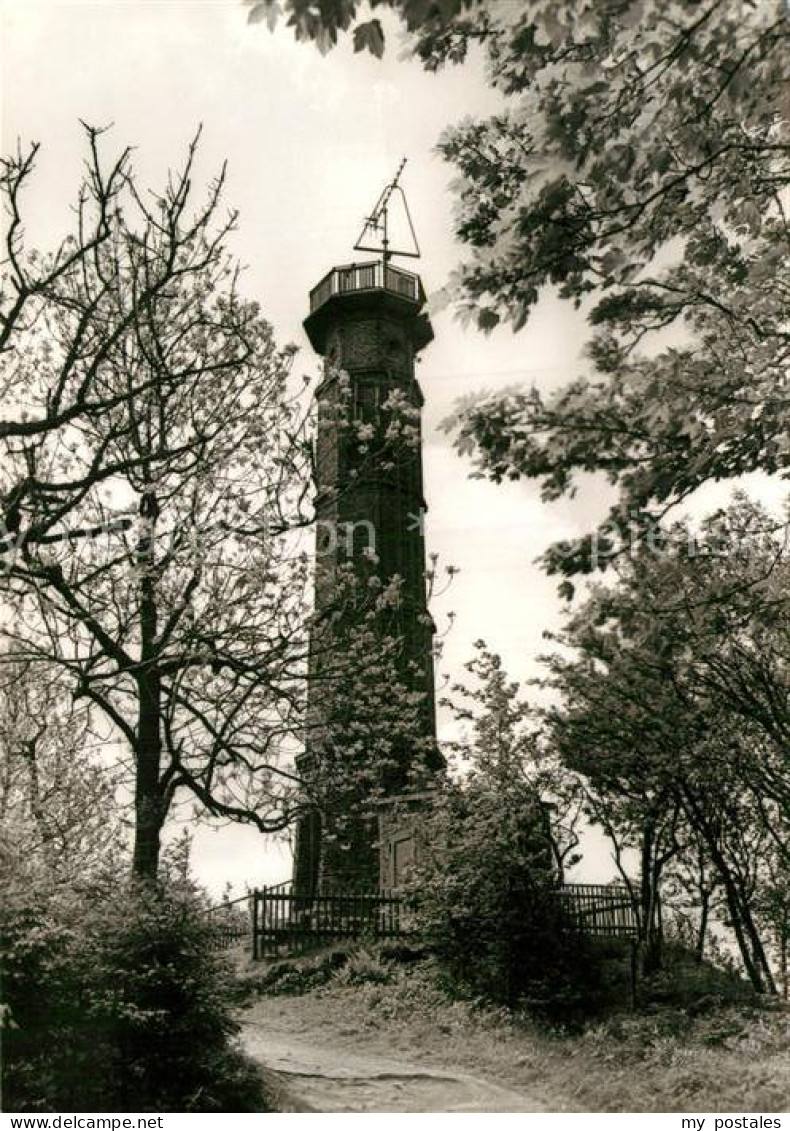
(310, 141)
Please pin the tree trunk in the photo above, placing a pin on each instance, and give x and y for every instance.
(702, 930)
(36, 807)
(749, 943)
(758, 950)
(148, 795)
(148, 799)
(735, 916)
(650, 959)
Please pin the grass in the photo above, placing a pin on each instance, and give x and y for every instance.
(729, 1054)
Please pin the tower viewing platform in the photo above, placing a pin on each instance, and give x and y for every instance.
(354, 277)
(374, 286)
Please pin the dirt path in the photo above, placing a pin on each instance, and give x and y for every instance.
(310, 1074)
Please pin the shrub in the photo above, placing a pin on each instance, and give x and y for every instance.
(117, 1001)
(364, 967)
(352, 965)
(289, 977)
(696, 987)
(485, 906)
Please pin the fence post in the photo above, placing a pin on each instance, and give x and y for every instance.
(636, 972)
(256, 924)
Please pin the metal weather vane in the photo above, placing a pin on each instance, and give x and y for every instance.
(376, 227)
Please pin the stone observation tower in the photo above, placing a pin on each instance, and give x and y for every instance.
(366, 320)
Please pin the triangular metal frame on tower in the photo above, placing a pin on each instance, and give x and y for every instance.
(378, 222)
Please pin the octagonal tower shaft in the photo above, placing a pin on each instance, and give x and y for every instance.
(366, 321)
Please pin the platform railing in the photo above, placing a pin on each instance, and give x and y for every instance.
(354, 277)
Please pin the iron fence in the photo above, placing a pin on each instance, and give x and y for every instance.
(231, 921)
(284, 921)
(280, 920)
(604, 910)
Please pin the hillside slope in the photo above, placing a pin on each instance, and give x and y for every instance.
(401, 1045)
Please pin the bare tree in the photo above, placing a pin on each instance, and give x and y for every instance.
(159, 557)
(158, 394)
(65, 319)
